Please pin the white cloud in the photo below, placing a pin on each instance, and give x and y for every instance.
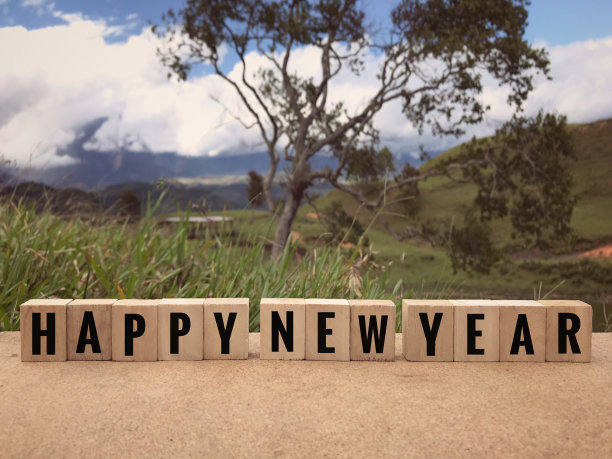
(33, 2)
(61, 77)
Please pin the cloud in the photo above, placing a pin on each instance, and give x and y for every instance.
(59, 78)
(32, 2)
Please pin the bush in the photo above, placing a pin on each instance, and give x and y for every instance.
(470, 248)
(128, 204)
(342, 227)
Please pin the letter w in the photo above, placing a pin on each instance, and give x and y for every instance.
(379, 337)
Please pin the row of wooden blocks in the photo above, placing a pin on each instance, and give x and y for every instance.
(311, 329)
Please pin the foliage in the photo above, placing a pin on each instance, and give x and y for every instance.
(342, 227)
(432, 60)
(525, 176)
(409, 190)
(255, 189)
(128, 204)
(366, 165)
(470, 247)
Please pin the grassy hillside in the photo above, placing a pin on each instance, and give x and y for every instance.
(443, 198)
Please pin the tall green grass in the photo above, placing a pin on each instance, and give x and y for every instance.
(44, 256)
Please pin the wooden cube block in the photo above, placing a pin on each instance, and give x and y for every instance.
(476, 331)
(428, 330)
(372, 330)
(522, 331)
(135, 330)
(43, 330)
(569, 329)
(327, 329)
(89, 326)
(180, 329)
(226, 328)
(282, 324)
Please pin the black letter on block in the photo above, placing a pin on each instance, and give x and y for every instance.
(570, 334)
(175, 331)
(130, 333)
(379, 338)
(522, 327)
(431, 333)
(88, 324)
(279, 329)
(472, 333)
(37, 333)
(225, 333)
(323, 332)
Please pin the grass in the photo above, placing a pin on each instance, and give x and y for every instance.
(43, 256)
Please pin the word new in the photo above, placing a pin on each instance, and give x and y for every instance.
(311, 329)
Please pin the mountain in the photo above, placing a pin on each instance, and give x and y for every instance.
(60, 201)
(97, 170)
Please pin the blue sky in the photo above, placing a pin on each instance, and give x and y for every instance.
(66, 63)
(557, 22)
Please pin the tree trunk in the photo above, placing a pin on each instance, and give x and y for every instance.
(285, 220)
(267, 186)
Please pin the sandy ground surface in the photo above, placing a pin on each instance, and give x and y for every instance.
(271, 408)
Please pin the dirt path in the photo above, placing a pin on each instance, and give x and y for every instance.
(604, 251)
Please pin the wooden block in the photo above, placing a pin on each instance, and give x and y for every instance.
(135, 330)
(428, 330)
(43, 330)
(372, 330)
(226, 328)
(569, 330)
(180, 329)
(476, 331)
(89, 327)
(328, 329)
(282, 324)
(522, 331)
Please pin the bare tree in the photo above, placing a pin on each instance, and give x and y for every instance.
(432, 59)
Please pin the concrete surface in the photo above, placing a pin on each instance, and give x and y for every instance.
(280, 408)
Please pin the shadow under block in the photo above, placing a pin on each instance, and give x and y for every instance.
(328, 329)
(43, 330)
(282, 324)
(135, 330)
(372, 330)
(428, 330)
(226, 328)
(569, 330)
(476, 331)
(180, 329)
(89, 329)
(522, 331)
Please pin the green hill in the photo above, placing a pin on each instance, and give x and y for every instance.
(442, 198)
